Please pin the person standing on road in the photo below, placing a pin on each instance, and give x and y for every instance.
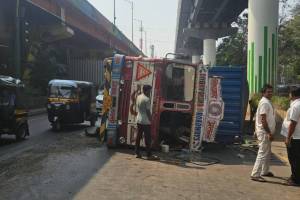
(264, 130)
(291, 130)
(144, 121)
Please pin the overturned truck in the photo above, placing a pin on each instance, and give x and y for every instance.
(188, 104)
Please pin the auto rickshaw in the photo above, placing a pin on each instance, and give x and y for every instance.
(70, 102)
(13, 112)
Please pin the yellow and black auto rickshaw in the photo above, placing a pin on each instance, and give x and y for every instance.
(70, 102)
(13, 112)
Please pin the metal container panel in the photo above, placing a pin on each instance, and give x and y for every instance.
(235, 96)
(86, 70)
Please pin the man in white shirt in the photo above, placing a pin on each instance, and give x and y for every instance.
(291, 130)
(264, 130)
(144, 121)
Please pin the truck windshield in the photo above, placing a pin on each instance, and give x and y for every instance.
(178, 82)
(62, 91)
(7, 98)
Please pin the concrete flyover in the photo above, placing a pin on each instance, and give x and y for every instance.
(84, 17)
(201, 22)
(81, 36)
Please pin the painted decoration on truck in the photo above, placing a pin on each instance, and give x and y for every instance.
(143, 74)
(117, 63)
(209, 108)
(215, 110)
(107, 100)
(201, 88)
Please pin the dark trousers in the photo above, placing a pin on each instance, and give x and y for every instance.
(294, 158)
(146, 129)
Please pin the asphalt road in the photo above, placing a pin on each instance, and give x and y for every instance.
(49, 165)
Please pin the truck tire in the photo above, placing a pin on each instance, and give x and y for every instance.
(21, 133)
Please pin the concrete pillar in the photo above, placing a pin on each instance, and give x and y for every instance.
(196, 59)
(262, 43)
(209, 52)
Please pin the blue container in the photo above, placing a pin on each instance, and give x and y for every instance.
(235, 95)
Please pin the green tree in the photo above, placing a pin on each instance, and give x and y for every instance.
(233, 49)
(289, 47)
(46, 65)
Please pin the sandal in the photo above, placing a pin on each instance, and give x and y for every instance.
(269, 174)
(290, 182)
(153, 158)
(258, 178)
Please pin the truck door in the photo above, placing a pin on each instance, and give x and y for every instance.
(143, 74)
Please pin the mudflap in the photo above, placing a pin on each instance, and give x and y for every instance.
(111, 138)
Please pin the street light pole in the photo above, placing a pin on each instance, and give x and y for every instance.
(114, 12)
(131, 2)
(146, 47)
(132, 21)
(17, 41)
(141, 29)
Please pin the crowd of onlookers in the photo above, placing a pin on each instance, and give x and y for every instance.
(265, 127)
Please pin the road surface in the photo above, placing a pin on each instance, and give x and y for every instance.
(48, 165)
(68, 165)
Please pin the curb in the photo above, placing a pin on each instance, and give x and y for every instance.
(279, 150)
(281, 158)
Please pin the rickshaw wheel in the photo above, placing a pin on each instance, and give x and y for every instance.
(21, 133)
(56, 126)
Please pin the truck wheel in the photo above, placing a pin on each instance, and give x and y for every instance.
(21, 133)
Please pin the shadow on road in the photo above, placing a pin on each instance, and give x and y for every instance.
(210, 155)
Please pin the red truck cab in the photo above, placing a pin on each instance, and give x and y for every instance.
(172, 99)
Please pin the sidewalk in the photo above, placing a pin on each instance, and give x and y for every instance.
(125, 177)
(278, 147)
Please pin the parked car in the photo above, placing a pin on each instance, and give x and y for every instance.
(283, 90)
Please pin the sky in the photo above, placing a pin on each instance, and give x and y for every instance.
(158, 17)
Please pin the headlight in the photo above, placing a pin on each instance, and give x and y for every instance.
(68, 107)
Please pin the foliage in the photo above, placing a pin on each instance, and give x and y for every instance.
(289, 47)
(281, 102)
(255, 99)
(233, 49)
(45, 64)
(278, 101)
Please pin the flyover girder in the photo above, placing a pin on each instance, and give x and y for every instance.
(93, 24)
(205, 15)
